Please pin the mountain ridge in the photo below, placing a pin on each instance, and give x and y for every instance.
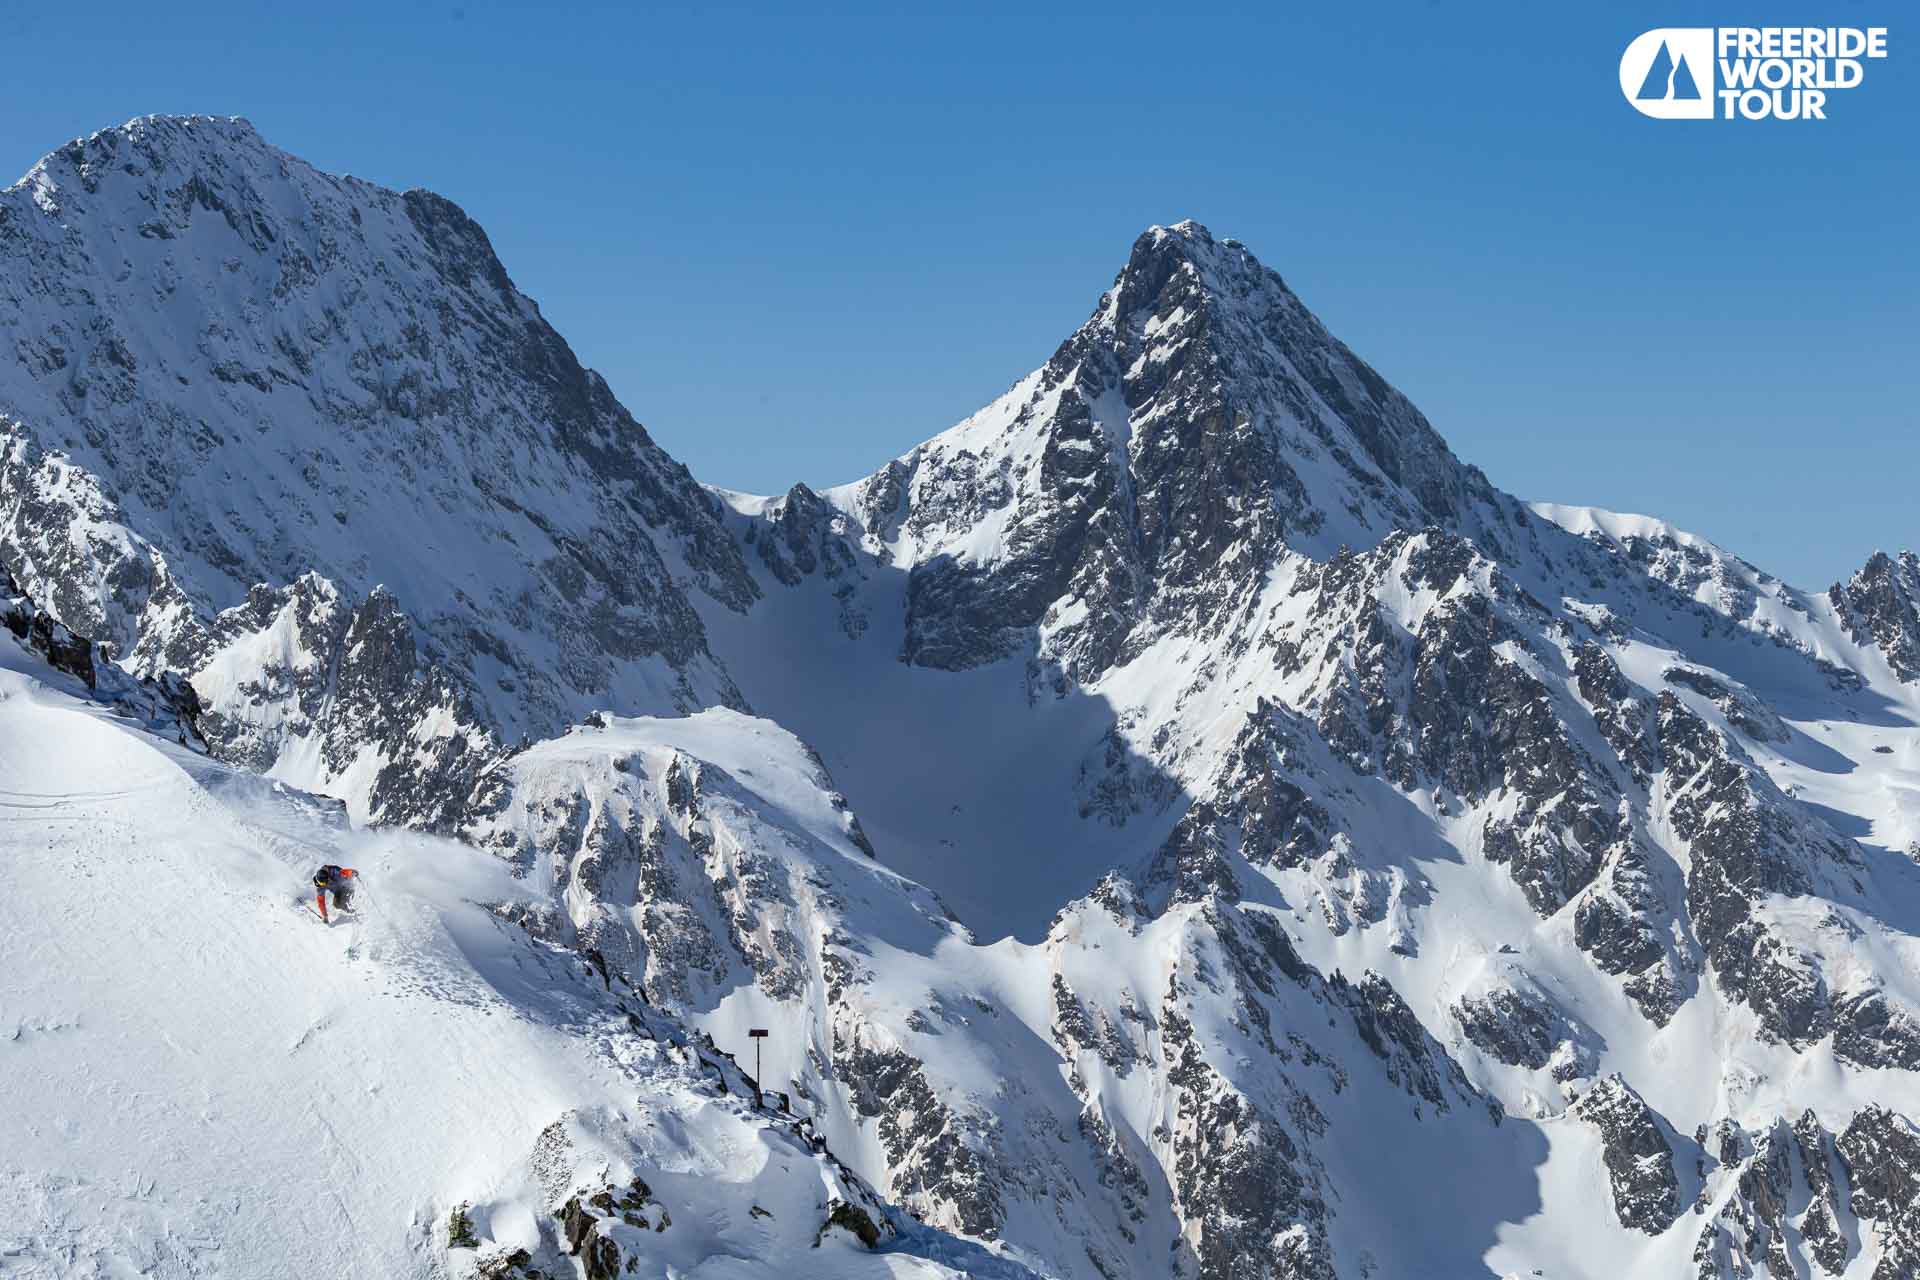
(1346, 849)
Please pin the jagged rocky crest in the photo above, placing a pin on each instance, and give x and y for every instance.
(165, 705)
(346, 383)
(1411, 815)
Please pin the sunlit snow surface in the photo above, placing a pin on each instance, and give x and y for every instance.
(201, 1079)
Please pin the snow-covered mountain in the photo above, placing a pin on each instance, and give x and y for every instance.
(254, 413)
(1353, 870)
(1202, 619)
(203, 1081)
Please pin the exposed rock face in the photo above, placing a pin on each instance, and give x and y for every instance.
(1820, 1225)
(1882, 1154)
(803, 534)
(1639, 1158)
(1791, 1201)
(852, 1219)
(306, 670)
(1747, 842)
(1766, 1184)
(1363, 709)
(1514, 1027)
(1443, 700)
(1764, 1189)
(1145, 477)
(1744, 712)
(1872, 1029)
(67, 541)
(165, 704)
(345, 382)
(1880, 606)
(1250, 1209)
(36, 629)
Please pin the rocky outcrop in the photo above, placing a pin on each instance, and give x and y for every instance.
(1881, 1150)
(165, 704)
(1249, 1195)
(1624, 720)
(1512, 1026)
(1638, 1155)
(1820, 1223)
(1747, 841)
(1443, 700)
(1414, 1059)
(36, 629)
(853, 1220)
(306, 671)
(1744, 712)
(1873, 1029)
(1880, 606)
(937, 1156)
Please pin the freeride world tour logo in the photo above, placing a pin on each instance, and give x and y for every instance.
(1745, 73)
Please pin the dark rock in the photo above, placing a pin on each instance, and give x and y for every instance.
(1639, 1158)
(1414, 1059)
(1880, 606)
(925, 1141)
(601, 1259)
(1871, 1029)
(1820, 1224)
(1240, 1179)
(514, 1265)
(850, 1218)
(1167, 518)
(1746, 842)
(1511, 1027)
(164, 703)
(576, 1224)
(1881, 1151)
(1742, 710)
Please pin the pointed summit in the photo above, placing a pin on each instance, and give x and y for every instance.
(1158, 254)
(268, 371)
(1200, 425)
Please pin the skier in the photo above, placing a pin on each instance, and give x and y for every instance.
(338, 880)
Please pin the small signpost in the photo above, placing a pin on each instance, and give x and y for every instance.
(759, 1090)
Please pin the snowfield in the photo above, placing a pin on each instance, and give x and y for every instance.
(203, 1080)
(1182, 823)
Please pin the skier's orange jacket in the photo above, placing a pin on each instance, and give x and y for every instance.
(336, 879)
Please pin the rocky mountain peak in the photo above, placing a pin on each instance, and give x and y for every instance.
(1161, 254)
(226, 369)
(1201, 425)
(1880, 606)
(1373, 823)
(148, 145)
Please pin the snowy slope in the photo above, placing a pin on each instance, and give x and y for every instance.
(1358, 871)
(1047, 1095)
(229, 371)
(1203, 600)
(203, 1080)
(754, 902)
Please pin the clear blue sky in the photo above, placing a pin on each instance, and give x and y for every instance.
(797, 245)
